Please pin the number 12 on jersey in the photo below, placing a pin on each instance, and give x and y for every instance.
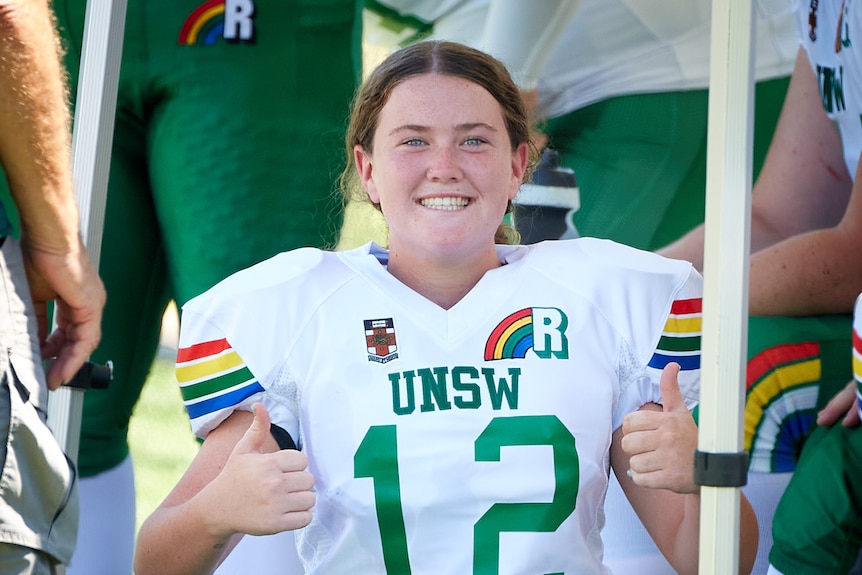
(377, 458)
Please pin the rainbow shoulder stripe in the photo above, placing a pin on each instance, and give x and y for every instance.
(857, 352)
(680, 339)
(212, 376)
(205, 25)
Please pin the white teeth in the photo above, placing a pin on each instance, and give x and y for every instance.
(447, 203)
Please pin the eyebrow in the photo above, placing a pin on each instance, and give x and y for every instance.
(466, 127)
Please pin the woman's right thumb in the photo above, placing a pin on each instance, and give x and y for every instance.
(257, 432)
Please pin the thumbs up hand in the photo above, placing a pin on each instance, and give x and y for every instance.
(264, 492)
(661, 440)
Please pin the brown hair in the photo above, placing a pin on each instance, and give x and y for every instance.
(439, 57)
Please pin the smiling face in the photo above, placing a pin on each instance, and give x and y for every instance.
(441, 167)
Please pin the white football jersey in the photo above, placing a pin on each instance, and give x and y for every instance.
(469, 440)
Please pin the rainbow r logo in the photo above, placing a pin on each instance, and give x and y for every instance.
(232, 20)
(542, 329)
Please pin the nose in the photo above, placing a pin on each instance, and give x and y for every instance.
(444, 166)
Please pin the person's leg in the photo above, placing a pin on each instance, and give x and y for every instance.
(764, 491)
(246, 146)
(25, 561)
(817, 528)
(794, 366)
(818, 522)
(107, 525)
(38, 491)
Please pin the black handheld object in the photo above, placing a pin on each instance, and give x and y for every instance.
(93, 376)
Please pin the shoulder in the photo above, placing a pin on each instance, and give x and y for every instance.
(278, 269)
(634, 290)
(592, 258)
(295, 272)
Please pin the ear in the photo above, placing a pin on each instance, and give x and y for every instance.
(520, 160)
(365, 169)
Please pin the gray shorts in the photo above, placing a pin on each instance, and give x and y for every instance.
(17, 559)
(38, 491)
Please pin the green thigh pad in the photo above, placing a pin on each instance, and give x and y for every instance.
(817, 526)
(795, 365)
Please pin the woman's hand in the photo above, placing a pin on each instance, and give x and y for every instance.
(661, 440)
(262, 492)
(843, 404)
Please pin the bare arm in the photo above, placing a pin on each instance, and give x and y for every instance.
(238, 483)
(817, 272)
(652, 455)
(804, 184)
(35, 151)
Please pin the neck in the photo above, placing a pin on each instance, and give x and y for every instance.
(445, 280)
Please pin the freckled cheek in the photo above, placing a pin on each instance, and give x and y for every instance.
(409, 166)
(394, 182)
(407, 173)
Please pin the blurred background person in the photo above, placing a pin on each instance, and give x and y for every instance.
(38, 488)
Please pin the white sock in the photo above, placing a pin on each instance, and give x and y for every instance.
(106, 531)
(763, 491)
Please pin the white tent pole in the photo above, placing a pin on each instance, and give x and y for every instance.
(92, 136)
(725, 301)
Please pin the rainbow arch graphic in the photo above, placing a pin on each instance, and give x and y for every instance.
(512, 337)
(780, 404)
(205, 25)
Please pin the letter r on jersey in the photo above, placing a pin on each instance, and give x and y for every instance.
(238, 23)
(549, 333)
